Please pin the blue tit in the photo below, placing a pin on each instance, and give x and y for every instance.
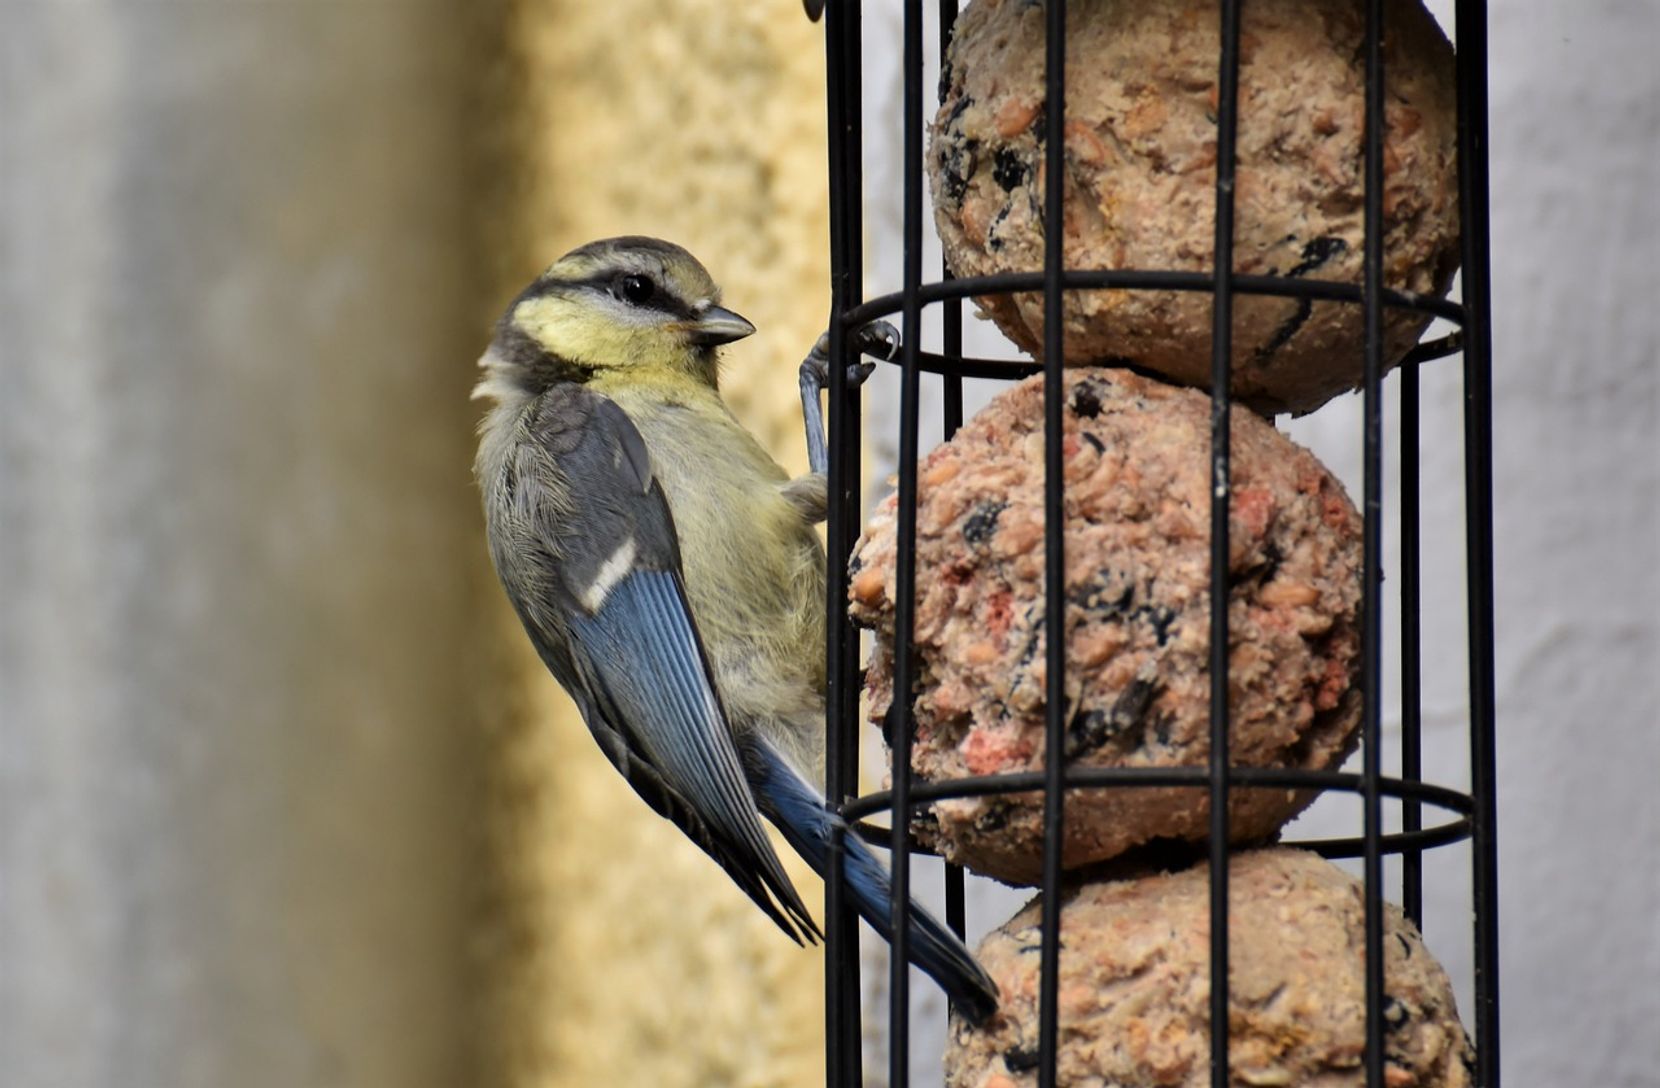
(668, 573)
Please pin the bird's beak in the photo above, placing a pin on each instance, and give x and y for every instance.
(715, 325)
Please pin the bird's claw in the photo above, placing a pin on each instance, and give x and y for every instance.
(879, 338)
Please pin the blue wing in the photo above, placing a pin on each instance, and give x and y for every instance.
(647, 669)
(592, 564)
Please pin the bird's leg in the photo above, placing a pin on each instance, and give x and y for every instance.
(809, 493)
(877, 338)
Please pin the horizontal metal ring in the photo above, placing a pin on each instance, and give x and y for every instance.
(1144, 777)
(1008, 283)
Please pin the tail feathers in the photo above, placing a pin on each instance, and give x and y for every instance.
(801, 815)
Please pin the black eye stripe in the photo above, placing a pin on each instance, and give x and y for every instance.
(662, 298)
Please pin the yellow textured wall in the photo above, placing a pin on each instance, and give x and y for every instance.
(619, 953)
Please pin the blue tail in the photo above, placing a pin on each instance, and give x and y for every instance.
(801, 816)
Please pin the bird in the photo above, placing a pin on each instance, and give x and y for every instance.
(669, 575)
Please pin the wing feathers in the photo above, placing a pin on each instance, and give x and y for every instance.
(642, 648)
(595, 574)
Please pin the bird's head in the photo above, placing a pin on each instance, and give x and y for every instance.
(626, 309)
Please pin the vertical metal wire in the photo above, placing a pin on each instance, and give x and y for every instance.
(843, 1065)
(951, 309)
(956, 912)
(899, 992)
(1471, 32)
(1371, 641)
(1054, 537)
(1412, 695)
(1227, 126)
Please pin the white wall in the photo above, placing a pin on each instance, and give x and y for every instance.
(1575, 132)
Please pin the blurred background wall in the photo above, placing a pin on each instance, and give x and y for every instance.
(283, 798)
(238, 553)
(619, 953)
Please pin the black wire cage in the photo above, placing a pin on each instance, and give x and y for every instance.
(1462, 815)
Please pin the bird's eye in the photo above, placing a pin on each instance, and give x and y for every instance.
(636, 289)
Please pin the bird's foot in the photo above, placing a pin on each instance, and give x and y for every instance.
(880, 339)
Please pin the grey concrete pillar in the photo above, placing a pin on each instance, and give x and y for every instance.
(238, 555)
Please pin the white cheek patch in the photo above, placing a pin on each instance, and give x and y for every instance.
(494, 387)
(491, 385)
(610, 573)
